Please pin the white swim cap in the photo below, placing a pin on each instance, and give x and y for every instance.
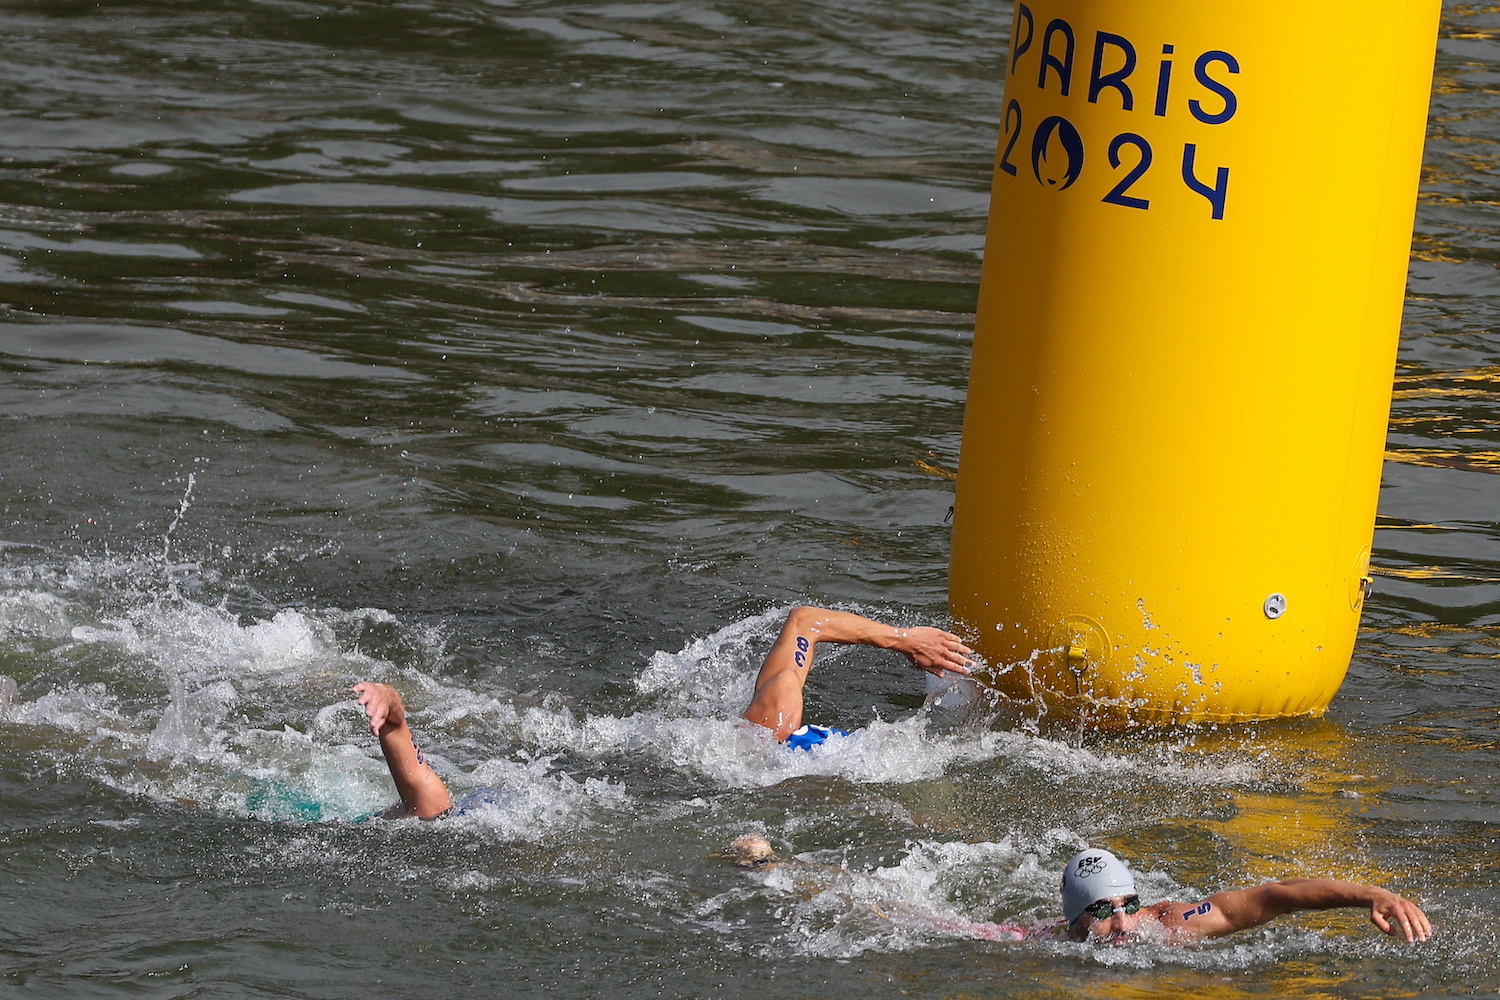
(1090, 876)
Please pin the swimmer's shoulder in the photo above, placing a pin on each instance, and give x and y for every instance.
(1184, 922)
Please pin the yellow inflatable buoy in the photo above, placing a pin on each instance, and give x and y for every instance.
(1191, 296)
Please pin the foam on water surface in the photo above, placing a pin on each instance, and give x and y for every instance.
(159, 690)
(134, 657)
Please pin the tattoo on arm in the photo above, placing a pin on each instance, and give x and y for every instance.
(421, 759)
(801, 655)
(1197, 911)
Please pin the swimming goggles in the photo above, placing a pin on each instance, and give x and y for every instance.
(1104, 909)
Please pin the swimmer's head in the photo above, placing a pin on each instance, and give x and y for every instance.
(750, 851)
(1090, 876)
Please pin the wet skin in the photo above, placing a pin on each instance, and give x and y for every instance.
(1118, 927)
(1239, 909)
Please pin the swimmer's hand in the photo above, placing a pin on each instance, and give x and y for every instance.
(933, 650)
(1394, 914)
(382, 705)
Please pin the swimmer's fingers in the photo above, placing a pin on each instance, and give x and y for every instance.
(1389, 914)
(937, 652)
(956, 655)
(374, 711)
(1414, 922)
(959, 656)
(943, 669)
(1424, 927)
(376, 701)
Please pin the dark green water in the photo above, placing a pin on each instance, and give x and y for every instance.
(533, 357)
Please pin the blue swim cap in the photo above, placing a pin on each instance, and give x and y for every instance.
(810, 736)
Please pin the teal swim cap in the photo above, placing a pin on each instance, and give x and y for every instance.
(1090, 876)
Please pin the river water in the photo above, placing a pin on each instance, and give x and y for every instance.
(535, 357)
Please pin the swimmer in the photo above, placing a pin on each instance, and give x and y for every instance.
(777, 702)
(1101, 906)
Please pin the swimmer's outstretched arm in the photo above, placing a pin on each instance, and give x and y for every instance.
(1227, 912)
(422, 792)
(777, 702)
